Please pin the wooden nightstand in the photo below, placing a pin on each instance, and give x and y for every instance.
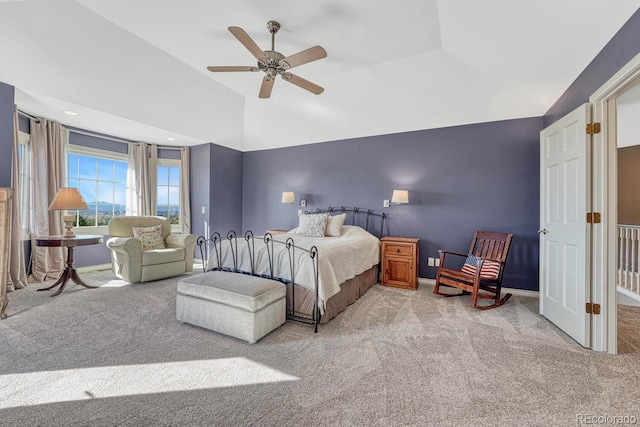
(400, 262)
(277, 231)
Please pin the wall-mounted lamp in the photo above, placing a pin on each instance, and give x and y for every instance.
(289, 198)
(399, 197)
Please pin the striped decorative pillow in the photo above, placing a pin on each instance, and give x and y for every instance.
(490, 269)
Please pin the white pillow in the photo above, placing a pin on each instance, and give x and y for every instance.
(151, 237)
(334, 225)
(312, 225)
(302, 220)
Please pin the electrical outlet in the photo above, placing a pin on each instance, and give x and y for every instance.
(437, 262)
(203, 209)
(430, 262)
(385, 203)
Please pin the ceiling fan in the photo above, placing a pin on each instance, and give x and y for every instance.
(274, 63)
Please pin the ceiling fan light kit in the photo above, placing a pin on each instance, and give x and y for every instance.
(273, 63)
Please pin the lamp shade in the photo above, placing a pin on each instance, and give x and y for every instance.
(68, 198)
(400, 196)
(288, 197)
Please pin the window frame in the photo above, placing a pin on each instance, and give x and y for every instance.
(175, 228)
(82, 150)
(24, 197)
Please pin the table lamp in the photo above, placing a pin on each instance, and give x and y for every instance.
(66, 199)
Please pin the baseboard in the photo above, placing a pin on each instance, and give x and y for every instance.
(514, 291)
(88, 268)
(626, 297)
(101, 267)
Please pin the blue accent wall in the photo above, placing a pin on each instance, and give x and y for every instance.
(6, 132)
(216, 184)
(91, 141)
(24, 124)
(460, 179)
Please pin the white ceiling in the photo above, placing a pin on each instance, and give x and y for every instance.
(137, 68)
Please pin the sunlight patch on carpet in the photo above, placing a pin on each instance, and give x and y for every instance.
(38, 388)
(115, 283)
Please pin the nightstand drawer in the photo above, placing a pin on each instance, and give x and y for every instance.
(398, 249)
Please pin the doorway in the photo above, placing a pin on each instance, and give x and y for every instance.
(627, 115)
(605, 236)
(591, 302)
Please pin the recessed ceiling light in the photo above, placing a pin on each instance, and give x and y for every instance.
(171, 139)
(71, 113)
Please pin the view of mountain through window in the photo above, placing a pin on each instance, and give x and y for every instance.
(103, 184)
(169, 193)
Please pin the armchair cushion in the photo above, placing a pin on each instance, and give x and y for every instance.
(162, 256)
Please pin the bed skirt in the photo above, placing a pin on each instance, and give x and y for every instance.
(350, 291)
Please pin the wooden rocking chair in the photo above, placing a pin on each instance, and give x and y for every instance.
(482, 269)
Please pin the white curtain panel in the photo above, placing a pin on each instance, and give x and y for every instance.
(49, 142)
(17, 269)
(185, 202)
(142, 179)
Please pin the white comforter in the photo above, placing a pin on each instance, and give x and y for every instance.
(339, 259)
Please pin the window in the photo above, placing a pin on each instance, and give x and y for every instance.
(25, 182)
(101, 177)
(168, 197)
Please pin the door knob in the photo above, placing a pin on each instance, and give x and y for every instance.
(543, 231)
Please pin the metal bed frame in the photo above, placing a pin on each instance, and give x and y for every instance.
(213, 246)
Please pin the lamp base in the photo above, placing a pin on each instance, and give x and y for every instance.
(68, 225)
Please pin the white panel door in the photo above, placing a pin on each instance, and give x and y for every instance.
(564, 232)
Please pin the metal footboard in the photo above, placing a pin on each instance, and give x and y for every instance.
(213, 247)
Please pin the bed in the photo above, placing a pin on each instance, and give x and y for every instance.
(324, 274)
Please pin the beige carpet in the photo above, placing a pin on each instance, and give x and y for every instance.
(628, 329)
(116, 356)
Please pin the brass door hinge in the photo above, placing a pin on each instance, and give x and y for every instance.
(593, 308)
(593, 128)
(594, 218)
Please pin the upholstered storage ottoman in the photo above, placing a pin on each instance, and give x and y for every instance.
(239, 305)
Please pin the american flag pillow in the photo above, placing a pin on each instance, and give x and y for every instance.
(490, 269)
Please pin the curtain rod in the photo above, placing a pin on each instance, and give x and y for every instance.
(115, 138)
(97, 134)
(31, 116)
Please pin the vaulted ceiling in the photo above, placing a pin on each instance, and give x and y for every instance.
(137, 68)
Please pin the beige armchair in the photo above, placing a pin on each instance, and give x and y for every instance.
(131, 263)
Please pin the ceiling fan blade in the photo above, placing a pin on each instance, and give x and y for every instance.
(216, 69)
(303, 57)
(304, 84)
(267, 86)
(248, 42)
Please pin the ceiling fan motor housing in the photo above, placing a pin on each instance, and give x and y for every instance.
(273, 64)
